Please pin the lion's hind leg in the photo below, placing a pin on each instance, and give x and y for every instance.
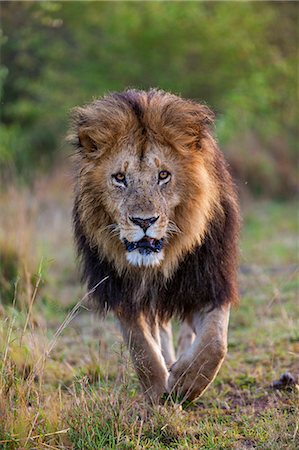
(197, 367)
(166, 340)
(186, 337)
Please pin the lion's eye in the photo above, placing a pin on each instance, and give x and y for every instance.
(164, 176)
(120, 178)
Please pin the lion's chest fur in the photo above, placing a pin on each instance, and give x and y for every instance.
(205, 276)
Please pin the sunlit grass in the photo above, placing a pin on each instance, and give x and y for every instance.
(69, 384)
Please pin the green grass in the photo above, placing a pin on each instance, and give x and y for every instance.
(77, 390)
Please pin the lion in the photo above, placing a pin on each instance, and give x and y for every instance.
(156, 212)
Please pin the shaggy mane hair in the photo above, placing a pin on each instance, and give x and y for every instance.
(201, 262)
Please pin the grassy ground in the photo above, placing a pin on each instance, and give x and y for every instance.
(66, 381)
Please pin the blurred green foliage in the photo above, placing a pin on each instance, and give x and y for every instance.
(238, 57)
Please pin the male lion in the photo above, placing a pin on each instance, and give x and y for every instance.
(156, 211)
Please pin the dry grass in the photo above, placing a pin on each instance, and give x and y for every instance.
(68, 384)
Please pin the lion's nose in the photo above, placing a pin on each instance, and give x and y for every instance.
(144, 223)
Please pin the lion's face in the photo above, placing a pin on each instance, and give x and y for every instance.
(146, 186)
(140, 191)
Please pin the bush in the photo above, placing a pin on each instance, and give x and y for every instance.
(233, 56)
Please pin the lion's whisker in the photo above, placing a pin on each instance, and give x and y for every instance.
(112, 228)
(173, 228)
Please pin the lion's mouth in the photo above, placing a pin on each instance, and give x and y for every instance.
(145, 245)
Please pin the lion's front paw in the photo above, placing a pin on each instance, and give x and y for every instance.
(187, 379)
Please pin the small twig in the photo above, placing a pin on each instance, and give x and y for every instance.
(37, 436)
(31, 429)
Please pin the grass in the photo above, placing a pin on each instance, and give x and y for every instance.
(70, 384)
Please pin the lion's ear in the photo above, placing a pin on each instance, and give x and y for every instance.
(185, 122)
(206, 117)
(86, 142)
(82, 135)
(204, 121)
(199, 119)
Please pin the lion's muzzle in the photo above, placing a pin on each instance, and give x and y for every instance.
(145, 245)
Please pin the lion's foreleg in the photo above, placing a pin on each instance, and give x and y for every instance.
(197, 366)
(141, 338)
(166, 340)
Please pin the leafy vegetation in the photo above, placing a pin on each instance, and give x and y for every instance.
(240, 58)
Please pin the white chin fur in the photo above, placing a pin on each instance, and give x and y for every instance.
(153, 259)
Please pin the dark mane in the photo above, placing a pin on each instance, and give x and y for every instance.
(206, 276)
